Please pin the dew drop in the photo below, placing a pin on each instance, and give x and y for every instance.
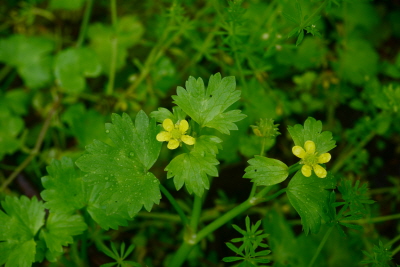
(107, 131)
(147, 141)
(131, 154)
(106, 178)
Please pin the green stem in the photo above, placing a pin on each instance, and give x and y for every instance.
(342, 160)
(175, 204)
(374, 220)
(395, 251)
(321, 245)
(114, 49)
(319, 9)
(294, 168)
(85, 22)
(394, 240)
(181, 255)
(5, 71)
(35, 151)
(195, 218)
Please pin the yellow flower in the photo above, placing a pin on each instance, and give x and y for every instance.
(175, 134)
(311, 159)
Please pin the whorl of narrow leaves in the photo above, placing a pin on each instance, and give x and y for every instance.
(207, 107)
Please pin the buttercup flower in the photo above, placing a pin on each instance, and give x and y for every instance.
(175, 134)
(311, 159)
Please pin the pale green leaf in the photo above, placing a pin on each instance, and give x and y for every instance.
(312, 131)
(266, 171)
(73, 65)
(207, 144)
(192, 169)
(207, 107)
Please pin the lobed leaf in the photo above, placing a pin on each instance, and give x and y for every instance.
(192, 169)
(122, 169)
(312, 131)
(207, 107)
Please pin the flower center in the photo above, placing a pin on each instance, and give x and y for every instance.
(311, 159)
(176, 134)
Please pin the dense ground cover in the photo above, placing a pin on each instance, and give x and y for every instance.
(169, 133)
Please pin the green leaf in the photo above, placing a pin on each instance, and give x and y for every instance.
(10, 128)
(73, 65)
(85, 125)
(308, 195)
(64, 188)
(192, 169)
(207, 107)
(266, 171)
(20, 223)
(30, 55)
(300, 38)
(98, 211)
(207, 144)
(290, 18)
(102, 37)
(162, 113)
(312, 131)
(123, 168)
(292, 32)
(60, 228)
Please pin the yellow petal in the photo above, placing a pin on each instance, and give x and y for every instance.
(172, 144)
(163, 136)
(168, 125)
(306, 170)
(188, 140)
(183, 126)
(320, 171)
(310, 147)
(298, 151)
(324, 158)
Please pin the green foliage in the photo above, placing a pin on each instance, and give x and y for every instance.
(266, 171)
(252, 239)
(103, 37)
(312, 132)
(380, 256)
(21, 221)
(66, 66)
(30, 55)
(119, 257)
(207, 107)
(192, 169)
(123, 168)
(309, 196)
(73, 65)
